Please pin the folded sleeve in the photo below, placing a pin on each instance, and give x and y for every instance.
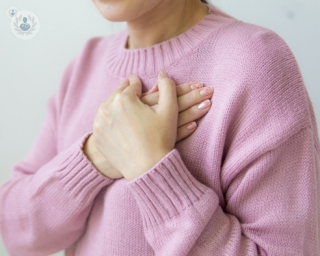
(45, 204)
(269, 172)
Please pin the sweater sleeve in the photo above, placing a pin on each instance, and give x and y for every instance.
(44, 206)
(269, 175)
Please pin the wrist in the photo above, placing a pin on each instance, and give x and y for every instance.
(94, 156)
(145, 165)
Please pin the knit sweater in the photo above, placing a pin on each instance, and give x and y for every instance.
(246, 182)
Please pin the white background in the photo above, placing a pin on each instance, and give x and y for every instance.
(30, 71)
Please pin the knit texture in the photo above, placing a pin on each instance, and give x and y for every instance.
(246, 182)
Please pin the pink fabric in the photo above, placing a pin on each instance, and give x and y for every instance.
(246, 182)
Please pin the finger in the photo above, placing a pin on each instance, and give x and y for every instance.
(194, 113)
(124, 84)
(135, 85)
(185, 130)
(181, 88)
(154, 89)
(150, 91)
(188, 87)
(194, 97)
(167, 94)
(185, 92)
(150, 99)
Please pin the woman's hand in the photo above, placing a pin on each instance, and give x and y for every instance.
(189, 98)
(132, 135)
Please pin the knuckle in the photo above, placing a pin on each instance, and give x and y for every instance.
(125, 96)
(185, 88)
(118, 96)
(103, 109)
(192, 111)
(191, 96)
(121, 99)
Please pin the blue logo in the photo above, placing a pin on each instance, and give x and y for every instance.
(12, 11)
(25, 25)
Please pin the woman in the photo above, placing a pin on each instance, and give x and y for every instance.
(115, 171)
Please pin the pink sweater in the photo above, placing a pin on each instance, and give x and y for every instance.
(246, 182)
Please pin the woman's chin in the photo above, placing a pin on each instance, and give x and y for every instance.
(114, 18)
(112, 12)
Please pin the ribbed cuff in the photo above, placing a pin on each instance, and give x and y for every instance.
(78, 175)
(166, 190)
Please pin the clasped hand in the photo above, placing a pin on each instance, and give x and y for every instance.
(133, 136)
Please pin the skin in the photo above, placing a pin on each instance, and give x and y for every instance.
(152, 21)
(128, 119)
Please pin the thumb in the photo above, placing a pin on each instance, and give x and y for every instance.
(135, 85)
(167, 93)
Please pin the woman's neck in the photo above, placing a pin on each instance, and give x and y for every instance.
(165, 21)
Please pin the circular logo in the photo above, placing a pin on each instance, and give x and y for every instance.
(25, 25)
(12, 11)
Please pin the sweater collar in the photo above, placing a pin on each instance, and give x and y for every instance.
(148, 61)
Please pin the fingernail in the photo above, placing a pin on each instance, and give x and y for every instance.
(191, 125)
(206, 91)
(152, 88)
(196, 86)
(204, 104)
(163, 73)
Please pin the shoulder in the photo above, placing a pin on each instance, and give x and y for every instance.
(252, 52)
(266, 87)
(251, 45)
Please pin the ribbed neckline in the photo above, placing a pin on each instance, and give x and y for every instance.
(148, 61)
